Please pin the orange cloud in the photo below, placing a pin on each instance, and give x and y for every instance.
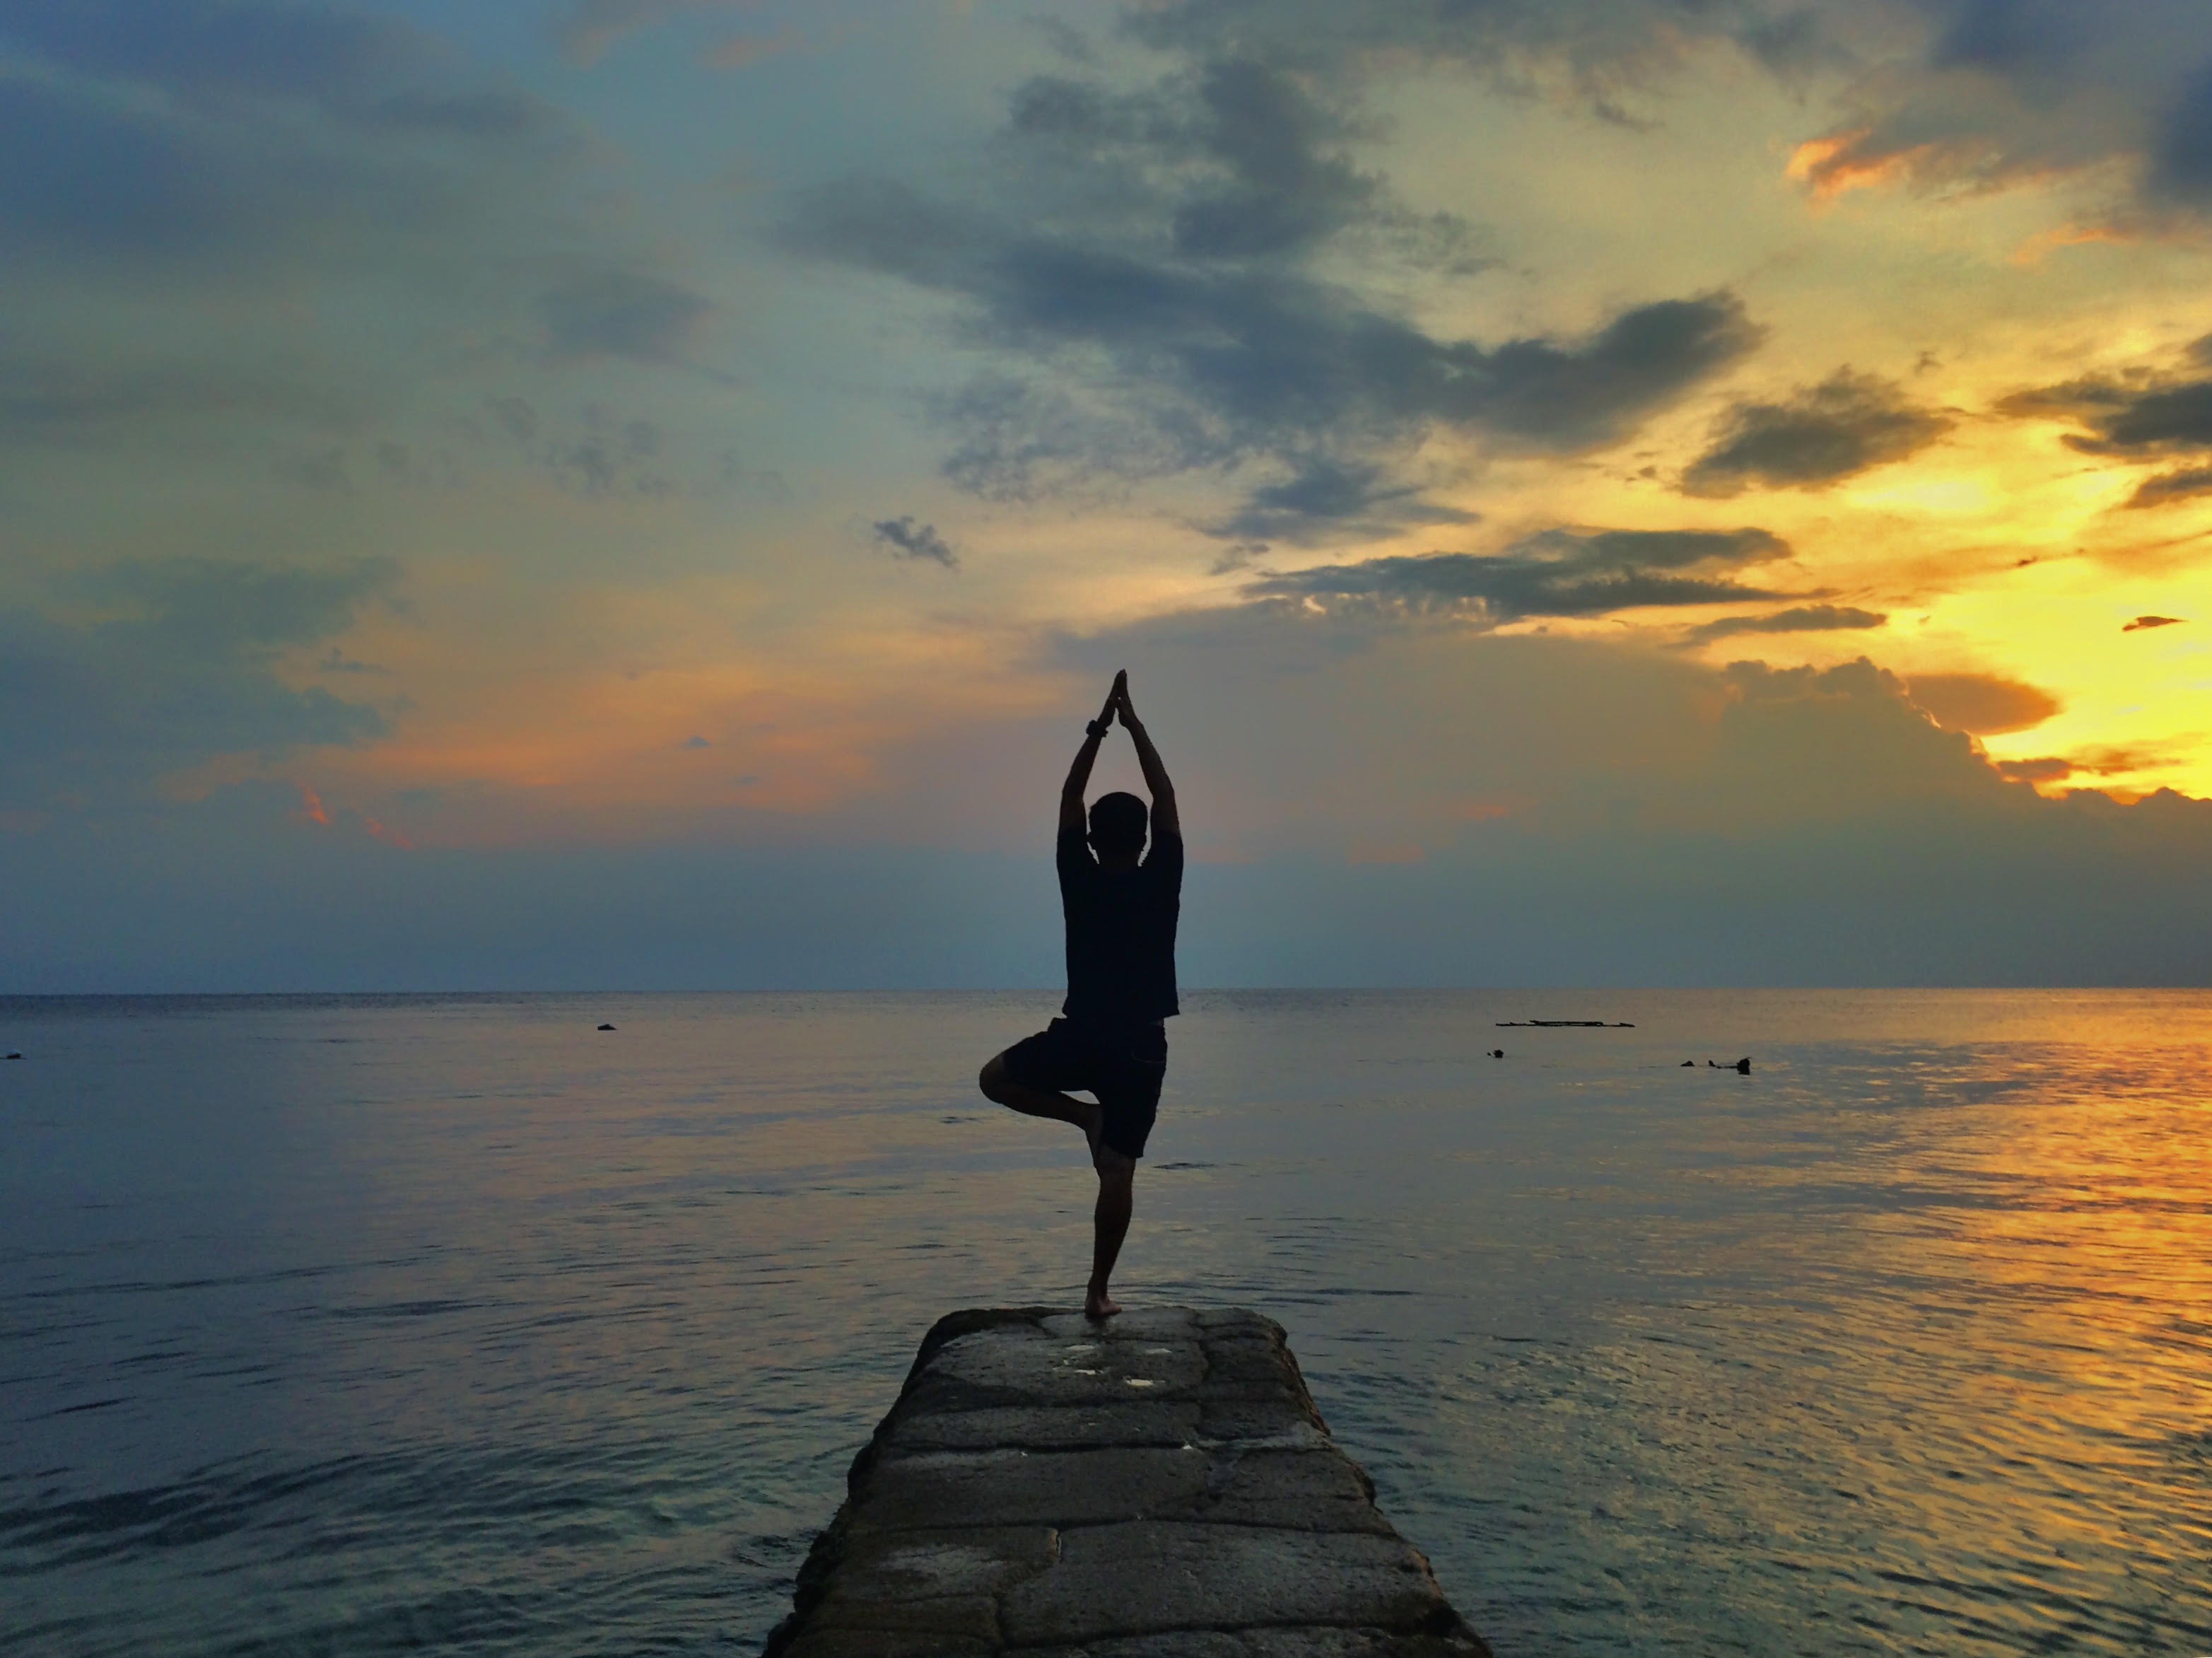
(2032, 250)
(1980, 704)
(1836, 163)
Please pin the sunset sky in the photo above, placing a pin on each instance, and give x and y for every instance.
(645, 493)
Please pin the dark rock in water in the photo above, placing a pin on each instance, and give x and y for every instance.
(1564, 1024)
(1155, 1483)
(15, 1056)
(1497, 1052)
(1687, 1062)
(1742, 1065)
(606, 1026)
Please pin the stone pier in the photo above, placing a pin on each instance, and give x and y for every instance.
(1159, 1485)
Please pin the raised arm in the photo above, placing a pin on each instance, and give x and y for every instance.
(1079, 775)
(1165, 818)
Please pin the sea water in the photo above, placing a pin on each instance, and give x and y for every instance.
(359, 1324)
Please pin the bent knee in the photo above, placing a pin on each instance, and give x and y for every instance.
(992, 1079)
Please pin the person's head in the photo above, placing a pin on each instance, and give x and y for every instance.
(1118, 823)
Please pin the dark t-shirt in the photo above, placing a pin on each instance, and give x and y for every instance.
(1120, 932)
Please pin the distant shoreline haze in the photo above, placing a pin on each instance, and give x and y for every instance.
(1698, 912)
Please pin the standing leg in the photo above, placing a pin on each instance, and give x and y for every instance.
(1117, 1177)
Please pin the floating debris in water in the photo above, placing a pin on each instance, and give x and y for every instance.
(1564, 1024)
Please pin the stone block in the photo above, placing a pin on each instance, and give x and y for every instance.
(1169, 1424)
(1274, 1422)
(1160, 1486)
(1015, 1487)
(1150, 1577)
(1302, 1490)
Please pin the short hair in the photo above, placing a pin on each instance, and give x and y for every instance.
(1118, 823)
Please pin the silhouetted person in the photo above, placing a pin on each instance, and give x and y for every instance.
(1111, 1041)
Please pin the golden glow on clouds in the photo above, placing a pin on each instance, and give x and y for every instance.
(566, 666)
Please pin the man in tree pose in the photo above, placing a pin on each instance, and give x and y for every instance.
(1110, 1040)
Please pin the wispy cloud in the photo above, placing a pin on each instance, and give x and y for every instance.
(1150, 260)
(1847, 424)
(593, 27)
(1800, 619)
(1562, 572)
(909, 539)
(149, 667)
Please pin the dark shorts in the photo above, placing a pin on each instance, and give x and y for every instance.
(1124, 1067)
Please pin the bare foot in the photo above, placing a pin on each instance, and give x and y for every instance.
(1099, 1304)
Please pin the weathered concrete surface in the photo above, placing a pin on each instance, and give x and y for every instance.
(1156, 1486)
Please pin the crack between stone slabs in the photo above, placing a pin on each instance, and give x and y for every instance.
(1074, 1526)
(1445, 1622)
(1066, 1526)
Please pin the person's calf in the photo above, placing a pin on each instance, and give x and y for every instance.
(1117, 1199)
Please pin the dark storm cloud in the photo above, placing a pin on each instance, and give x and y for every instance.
(1150, 254)
(909, 539)
(1847, 424)
(157, 666)
(1800, 619)
(1554, 573)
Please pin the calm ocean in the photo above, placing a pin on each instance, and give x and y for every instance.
(372, 1324)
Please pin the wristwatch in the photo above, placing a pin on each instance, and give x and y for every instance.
(1098, 728)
